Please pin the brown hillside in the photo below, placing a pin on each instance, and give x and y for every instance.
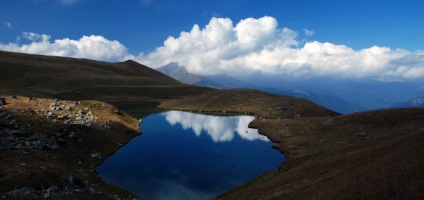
(370, 155)
(71, 78)
(249, 101)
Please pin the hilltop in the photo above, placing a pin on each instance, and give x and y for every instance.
(77, 79)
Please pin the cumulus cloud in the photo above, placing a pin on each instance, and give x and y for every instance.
(251, 46)
(259, 45)
(220, 129)
(92, 47)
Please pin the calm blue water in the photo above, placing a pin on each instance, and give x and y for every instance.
(182, 155)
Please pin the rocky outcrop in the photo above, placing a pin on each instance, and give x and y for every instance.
(49, 148)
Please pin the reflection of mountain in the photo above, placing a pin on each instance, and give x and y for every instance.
(220, 128)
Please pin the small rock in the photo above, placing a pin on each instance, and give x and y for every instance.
(48, 193)
(50, 115)
(96, 155)
(72, 135)
(62, 117)
(362, 134)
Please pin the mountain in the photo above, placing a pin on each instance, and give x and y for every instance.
(181, 74)
(414, 102)
(332, 103)
(72, 78)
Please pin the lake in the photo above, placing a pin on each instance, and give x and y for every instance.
(182, 155)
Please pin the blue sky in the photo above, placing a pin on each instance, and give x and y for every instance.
(389, 32)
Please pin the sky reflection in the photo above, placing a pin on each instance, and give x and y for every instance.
(219, 128)
(182, 155)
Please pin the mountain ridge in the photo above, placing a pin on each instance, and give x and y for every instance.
(73, 78)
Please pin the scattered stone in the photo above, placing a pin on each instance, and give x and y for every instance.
(275, 146)
(96, 155)
(362, 133)
(72, 135)
(47, 194)
(63, 117)
(50, 115)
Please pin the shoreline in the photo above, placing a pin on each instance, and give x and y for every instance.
(339, 154)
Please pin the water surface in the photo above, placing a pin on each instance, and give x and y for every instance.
(182, 155)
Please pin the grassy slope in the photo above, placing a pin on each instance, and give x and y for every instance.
(70, 78)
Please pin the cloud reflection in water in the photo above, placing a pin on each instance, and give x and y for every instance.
(220, 128)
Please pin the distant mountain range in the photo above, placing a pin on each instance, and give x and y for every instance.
(341, 95)
(414, 102)
(180, 73)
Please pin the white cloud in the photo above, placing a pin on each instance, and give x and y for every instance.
(248, 47)
(308, 33)
(92, 47)
(258, 45)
